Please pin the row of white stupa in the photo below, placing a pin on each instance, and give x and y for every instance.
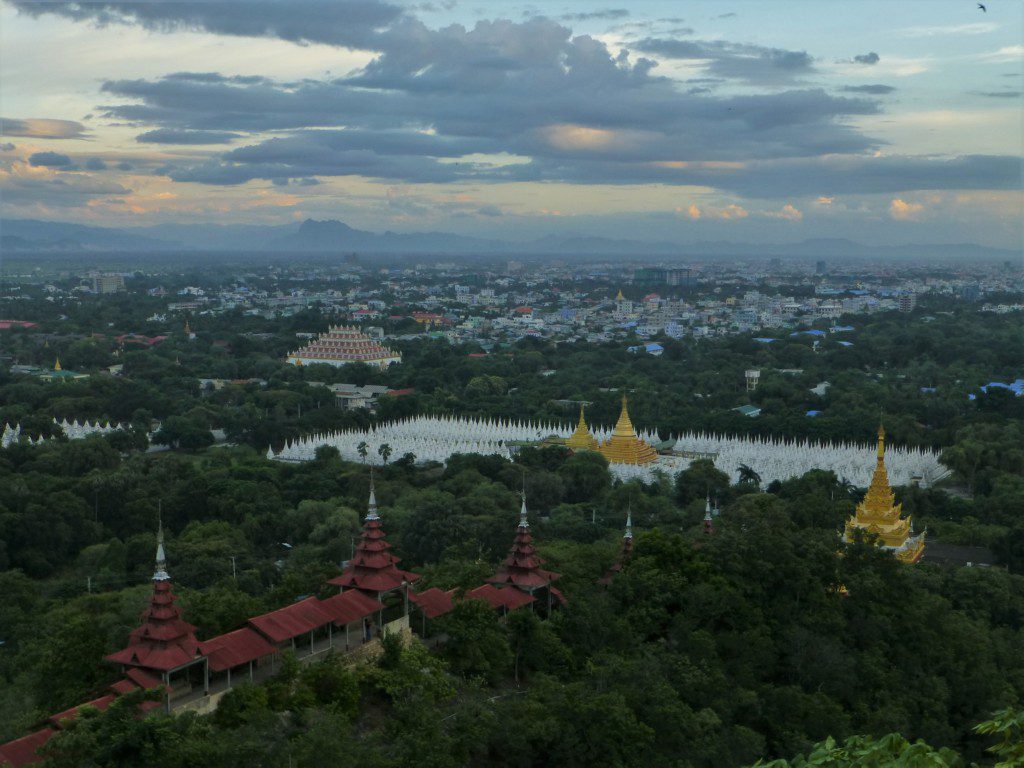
(436, 439)
(73, 430)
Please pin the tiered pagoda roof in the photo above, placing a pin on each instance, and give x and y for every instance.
(522, 567)
(624, 552)
(373, 569)
(624, 447)
(879, 514)
(342, 345)
(582, 439)
(164, 641)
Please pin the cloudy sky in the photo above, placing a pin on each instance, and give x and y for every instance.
(885, 122)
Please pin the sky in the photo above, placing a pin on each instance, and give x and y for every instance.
(763, 121)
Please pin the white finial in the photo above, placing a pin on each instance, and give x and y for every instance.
(371, 508)
(523, 523)
(629, 523)
(160, 574)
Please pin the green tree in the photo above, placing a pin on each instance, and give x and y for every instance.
(476, 644)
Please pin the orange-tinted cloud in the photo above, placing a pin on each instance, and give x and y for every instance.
(788, 212)
(901, 210)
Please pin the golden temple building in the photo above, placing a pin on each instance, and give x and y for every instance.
(582, 439)
(879, 515)
(624, 447)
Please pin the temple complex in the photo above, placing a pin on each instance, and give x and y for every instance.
(522, 568)
(582, 439)
(61, 374)
(342, 345)
(624, 447)
(879, 515)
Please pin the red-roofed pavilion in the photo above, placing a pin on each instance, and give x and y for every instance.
(522, 568)
(164, 644)
(373, 570)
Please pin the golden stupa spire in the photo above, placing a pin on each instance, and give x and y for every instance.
(624, 447)
(879, 514)
(56, 365)
(581, 439)
(624, 426)
(619, 296)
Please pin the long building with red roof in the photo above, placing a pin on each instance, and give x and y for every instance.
(164, 654)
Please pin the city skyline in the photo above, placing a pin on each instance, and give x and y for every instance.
(750, 122)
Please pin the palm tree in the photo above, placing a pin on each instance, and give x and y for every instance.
(749, 475)
(385, 452)
(362, 449)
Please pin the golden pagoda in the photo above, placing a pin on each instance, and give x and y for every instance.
(879, 515)
(624, 447)
(581, 439)
(56, 365)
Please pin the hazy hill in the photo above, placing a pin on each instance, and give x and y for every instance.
(312, 236)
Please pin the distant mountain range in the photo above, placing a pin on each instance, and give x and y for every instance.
(336, 237)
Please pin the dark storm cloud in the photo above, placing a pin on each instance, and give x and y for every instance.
(867, 58)
(433, 105)
(333, 22)
(49, 160)
(865, 175)
(1000, 94)
(740, 61)
(41, 128)
(172, 136)
(874, 89)
(801, 177)
(95, 164)
(528, 89)
(609, 13)
(69, 190)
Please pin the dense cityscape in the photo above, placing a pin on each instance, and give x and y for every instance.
(513, 375)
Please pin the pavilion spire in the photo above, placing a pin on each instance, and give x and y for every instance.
(629, 524)
(523, 522)
(160, 574)
(371, 507)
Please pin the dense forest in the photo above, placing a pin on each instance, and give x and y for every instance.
(756, 642)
